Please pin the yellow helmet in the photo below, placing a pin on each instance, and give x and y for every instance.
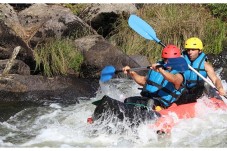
(193, 43)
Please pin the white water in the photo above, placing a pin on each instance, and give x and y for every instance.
(58, 126)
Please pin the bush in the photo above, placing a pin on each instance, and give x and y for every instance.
(218, 10)
(76, 8)
(57, 57)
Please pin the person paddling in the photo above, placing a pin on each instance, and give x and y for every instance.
(163, 85)
(198, 60)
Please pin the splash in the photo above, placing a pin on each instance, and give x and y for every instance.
(118, 89)
(57, 125)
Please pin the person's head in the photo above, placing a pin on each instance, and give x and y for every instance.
(172, 59)
(194, 47)
(171, 51)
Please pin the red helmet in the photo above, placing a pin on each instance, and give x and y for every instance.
(171, 51)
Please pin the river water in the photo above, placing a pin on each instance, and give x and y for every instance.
(63, 126)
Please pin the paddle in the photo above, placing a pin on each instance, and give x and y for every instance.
(143, 29)
(109, 71)
(178, 64)
(146, 31)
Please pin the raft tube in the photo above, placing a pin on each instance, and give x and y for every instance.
(164, 119)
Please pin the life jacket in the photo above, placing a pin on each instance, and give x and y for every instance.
(158, 88)
(192, 79)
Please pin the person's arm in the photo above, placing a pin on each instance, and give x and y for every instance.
(176, 79)
(214, 78)
(141, 80)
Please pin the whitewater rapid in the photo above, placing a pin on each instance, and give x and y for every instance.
(60, 126)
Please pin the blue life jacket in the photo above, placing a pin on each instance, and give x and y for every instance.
(158, 88)
(192, 79)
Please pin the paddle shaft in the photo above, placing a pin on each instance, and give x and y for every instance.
(210, 83)
(134, 69)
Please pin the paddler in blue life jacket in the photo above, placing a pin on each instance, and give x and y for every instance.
(163, 85)
(198, 60)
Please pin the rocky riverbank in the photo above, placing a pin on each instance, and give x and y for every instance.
(33, 24)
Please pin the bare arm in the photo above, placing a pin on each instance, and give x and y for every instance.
(176, 79)
(141, 80)
(214, 78)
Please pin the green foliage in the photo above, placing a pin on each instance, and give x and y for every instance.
(132, 43)
(75, 8)
(57, 57)
(173, 23)
(214, 36)
(218, 10)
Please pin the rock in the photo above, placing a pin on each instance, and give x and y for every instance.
(102, 17)
(13, 34)
(141, 60)
(56, 22)
(34, 25)
(19, 67)
(39, 89)
(99, 53)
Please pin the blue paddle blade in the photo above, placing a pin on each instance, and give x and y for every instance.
(107, 73)
(142, 28)
(178, 64)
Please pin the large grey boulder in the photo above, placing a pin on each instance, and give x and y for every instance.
(12, 34)
(39, 89)
(99, 53)
(56, 20)
(102, 17)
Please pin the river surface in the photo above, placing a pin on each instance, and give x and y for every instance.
(65, 126)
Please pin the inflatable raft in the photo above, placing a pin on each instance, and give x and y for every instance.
(136, 113)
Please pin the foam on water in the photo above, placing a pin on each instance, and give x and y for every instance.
(55, 125)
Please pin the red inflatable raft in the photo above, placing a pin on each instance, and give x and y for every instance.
(168, 119)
